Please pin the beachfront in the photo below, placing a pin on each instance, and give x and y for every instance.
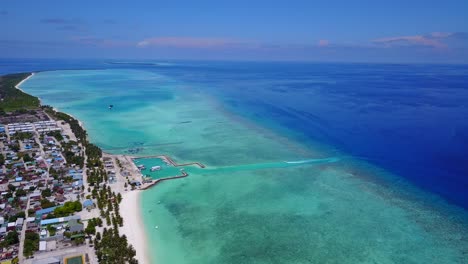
(58, 144)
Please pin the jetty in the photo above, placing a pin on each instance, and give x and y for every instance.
(169, 161)
(154, 182)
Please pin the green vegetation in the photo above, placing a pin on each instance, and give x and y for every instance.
(23, 135)
(68, 208)
(27, 158)
(12, 99)
(92, 223)
(31, 243)
(11, 238)
(112, 248)
(46, 203)
(94, 154)
(16, 216)
(56, 134)
(46, 193)
(71, 158)
(79, 132)
(52, 230)
(20, 193)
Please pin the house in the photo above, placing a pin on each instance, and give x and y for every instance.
(77, 184)
(36, 196)
(43, 233)
(75, 226)
(11, 226)
(19, 223)
(135, 183)
(77, 176)
(3, 231)
(88, 204)
(31, 224)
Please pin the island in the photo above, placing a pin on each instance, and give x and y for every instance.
(62, 199)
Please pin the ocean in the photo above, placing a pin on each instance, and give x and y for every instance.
(306, 162)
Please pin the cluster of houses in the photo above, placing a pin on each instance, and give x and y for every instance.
(35, 179)
(109, 165)
(40, 126)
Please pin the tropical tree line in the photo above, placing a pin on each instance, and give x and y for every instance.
(110, 246)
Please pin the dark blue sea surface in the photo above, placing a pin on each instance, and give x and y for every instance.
(411, 120)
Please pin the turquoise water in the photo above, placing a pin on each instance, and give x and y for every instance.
(164, 172)
(169, 170)
(250, 205)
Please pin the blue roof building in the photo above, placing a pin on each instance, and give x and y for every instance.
(77, 176)
(78, 183)
(59, 220)
(88, 203)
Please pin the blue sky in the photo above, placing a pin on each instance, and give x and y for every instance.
(362, 31)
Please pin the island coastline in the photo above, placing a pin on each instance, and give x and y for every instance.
(130, 207)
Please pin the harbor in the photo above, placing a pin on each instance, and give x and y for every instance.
(156, 169)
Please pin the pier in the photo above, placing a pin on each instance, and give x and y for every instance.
(154, 182)
(169, 161)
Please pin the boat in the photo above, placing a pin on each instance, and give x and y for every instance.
(155, 168)
(141, 167)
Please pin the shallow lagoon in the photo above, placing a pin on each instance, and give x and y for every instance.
(345, 211)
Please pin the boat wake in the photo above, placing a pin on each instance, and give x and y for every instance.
(325, 160)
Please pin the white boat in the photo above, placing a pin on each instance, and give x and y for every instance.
(155, 168)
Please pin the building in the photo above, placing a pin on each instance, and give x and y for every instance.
(75, 226)
(42, 245)
(36, 196)
(11, 226)
(19, 223)
(41, 212)
(88, 204)
(3, 230)
(59, 220)
(48, 261)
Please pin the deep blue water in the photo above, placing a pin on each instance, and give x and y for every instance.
(409, 119)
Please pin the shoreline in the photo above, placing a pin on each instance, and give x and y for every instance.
(130, 208)
(24, 80)
(133, 227)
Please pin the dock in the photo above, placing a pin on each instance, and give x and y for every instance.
(154, 182)
(170, 161)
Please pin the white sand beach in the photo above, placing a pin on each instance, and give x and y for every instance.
(19, 84)
(133, 225)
